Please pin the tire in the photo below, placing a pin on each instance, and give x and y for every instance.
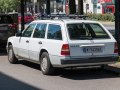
(45, 64)
(11, 56)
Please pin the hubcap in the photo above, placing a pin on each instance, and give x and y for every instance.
(44, 64)
(10, 54)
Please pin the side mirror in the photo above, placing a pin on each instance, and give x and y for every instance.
(18, 34)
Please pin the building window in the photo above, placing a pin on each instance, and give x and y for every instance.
(57, 6)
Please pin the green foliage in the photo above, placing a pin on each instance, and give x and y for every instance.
(101, 17)
(9, 5)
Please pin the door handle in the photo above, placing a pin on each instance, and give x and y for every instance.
(39, 42)
(27, 41)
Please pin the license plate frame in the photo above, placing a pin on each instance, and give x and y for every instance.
(95, 49)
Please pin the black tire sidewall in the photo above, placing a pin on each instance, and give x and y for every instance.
(13, 59)
(49, 68)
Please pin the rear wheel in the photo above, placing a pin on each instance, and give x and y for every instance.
(11, 56)
(45, 64)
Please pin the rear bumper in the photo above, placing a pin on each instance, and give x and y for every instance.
(88, 61)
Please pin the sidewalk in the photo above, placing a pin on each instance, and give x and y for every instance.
(107, 23)
(116, 65)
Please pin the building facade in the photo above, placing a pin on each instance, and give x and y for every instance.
(99, 6)
(39, 6)
(63, 6)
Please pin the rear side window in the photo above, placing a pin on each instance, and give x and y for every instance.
(6, 19)
(81, 31)
(54, 32)
(40, 31)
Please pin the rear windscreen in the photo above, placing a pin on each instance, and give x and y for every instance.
(81, 31)
(4, 19)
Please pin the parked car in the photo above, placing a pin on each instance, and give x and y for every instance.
(7, 29)
(63, 43)
(27, 17)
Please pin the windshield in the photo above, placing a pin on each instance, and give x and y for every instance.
(81, 31)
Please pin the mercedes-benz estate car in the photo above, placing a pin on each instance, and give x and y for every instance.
(63, 43)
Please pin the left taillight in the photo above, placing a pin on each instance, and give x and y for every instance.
(65, 51)
(115, 48)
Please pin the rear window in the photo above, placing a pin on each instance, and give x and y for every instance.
(81, 31)
(4, 19)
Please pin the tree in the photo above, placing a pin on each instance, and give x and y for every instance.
(80, 7)
(72, 6)
(9, 5)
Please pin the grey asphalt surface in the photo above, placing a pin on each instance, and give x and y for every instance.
(27, 76)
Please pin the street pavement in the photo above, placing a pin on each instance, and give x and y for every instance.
(27, 76)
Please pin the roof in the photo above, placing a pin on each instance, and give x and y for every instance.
(65, 21)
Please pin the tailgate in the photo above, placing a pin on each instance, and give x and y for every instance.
(76, 49)
(91, 48)
(107, 47)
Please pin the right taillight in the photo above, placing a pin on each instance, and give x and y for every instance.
(116, 48)
(65, 50)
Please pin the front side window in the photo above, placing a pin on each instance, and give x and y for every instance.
(81, 31)
(40, 31)
(54, 32)
(29, 30)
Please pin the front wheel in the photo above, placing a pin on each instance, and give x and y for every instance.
(11, 56)
(45, 64)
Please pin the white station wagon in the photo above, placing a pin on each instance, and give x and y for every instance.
(63, 43)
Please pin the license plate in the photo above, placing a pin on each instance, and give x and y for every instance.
(92, 49)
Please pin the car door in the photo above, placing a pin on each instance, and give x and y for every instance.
(24, 41)
(54, 39)
(37, 41)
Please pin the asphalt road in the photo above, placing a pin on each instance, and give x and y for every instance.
(27, 76)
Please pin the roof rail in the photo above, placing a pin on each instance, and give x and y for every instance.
(62, 16)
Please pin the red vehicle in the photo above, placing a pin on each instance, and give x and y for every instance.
(27, 17)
